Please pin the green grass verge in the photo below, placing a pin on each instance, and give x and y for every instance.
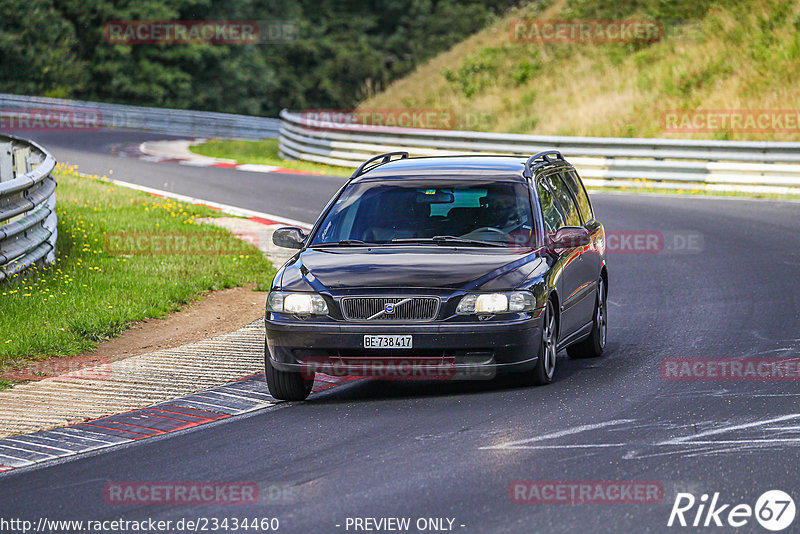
(263, 152)
(93, 293)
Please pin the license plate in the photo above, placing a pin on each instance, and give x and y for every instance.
(387, 342)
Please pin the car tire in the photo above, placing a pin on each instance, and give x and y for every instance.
(286, 385)
(545, 367)
(593, 346)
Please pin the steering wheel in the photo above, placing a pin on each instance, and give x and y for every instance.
(487, 229)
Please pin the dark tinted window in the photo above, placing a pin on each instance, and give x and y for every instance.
(574, 185)
(379, 212)
(462, 198)
(564, 199)
(550, 213)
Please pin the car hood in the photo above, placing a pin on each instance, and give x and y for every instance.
(419, 267)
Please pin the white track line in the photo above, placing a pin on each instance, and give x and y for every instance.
(692, 439)
(561, 433)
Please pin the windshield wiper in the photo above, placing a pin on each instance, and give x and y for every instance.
(447, 240)
(344, 243)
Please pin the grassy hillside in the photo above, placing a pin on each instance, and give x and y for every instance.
(723, 54)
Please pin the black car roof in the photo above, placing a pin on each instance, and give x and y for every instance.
(479, 167)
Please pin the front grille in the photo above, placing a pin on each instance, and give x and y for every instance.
(416, 309)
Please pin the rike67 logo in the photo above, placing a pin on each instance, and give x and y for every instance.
(774, 510)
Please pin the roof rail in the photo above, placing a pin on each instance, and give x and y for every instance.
(384, 158)
(530, 164)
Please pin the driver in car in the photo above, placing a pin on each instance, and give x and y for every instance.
(502, 213)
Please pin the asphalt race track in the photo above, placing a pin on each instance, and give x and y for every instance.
(452, 450)
(287, 195)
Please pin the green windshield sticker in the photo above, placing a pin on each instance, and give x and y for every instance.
(430, 192)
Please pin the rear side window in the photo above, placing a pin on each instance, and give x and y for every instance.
(564, 199)
(550, 213)
(576, 187)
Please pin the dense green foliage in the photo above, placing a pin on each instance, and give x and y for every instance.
(345, 50)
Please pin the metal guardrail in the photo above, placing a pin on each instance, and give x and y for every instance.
(767, 167)
(23, 109)
(28, 224)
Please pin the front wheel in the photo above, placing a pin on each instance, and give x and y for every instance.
(593, 346)
(546, 362)
(286, 385)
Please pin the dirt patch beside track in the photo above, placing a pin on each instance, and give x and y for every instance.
(216, 313)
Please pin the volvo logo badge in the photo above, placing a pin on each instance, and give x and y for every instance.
(389, 308)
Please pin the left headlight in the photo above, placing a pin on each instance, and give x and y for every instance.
(493, 303)
(296, 303)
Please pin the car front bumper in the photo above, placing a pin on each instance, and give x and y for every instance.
(456, 350)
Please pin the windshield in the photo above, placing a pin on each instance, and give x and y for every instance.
(396, 211)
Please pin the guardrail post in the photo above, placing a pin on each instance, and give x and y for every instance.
(20, 160)
(51, 224)
(6, 162)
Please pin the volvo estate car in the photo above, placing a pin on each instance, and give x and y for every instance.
(436, 267)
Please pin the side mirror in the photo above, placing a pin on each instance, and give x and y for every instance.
(570, 237)
(289, 237)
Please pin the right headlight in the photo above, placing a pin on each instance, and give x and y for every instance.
(494, 303)
(296, 303)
